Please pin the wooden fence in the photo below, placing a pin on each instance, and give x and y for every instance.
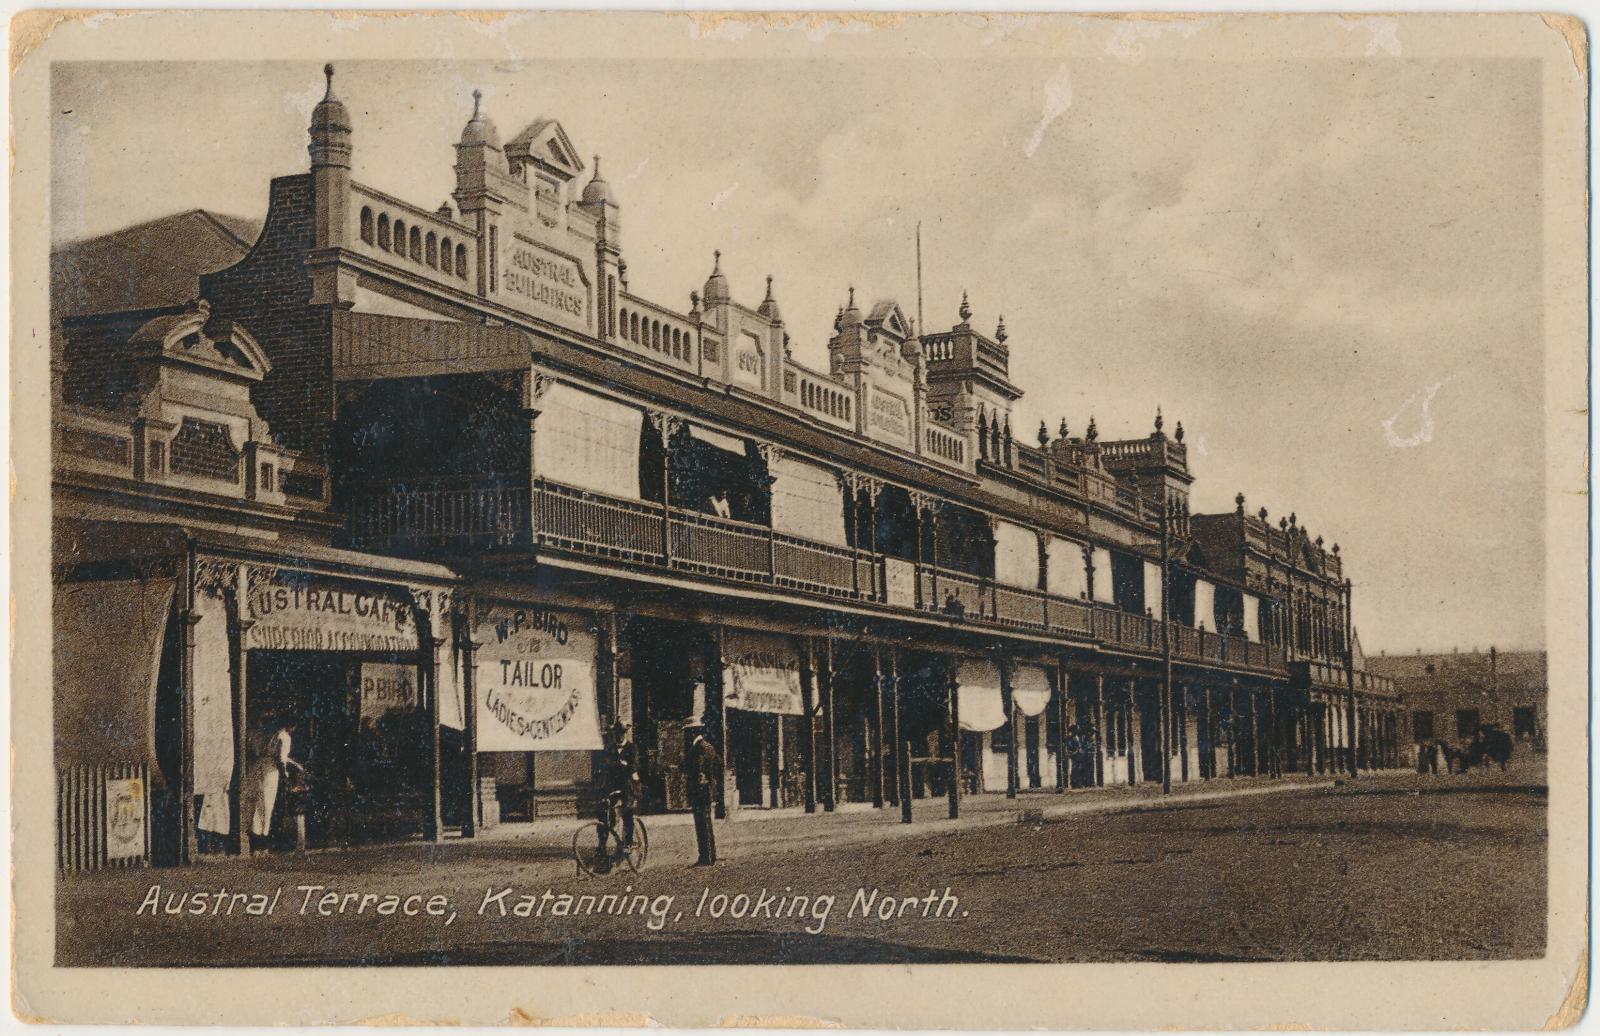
(102, 817)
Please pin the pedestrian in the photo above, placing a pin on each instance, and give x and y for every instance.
(273, 762)
(702, 767)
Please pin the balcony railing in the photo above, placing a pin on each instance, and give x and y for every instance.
(577, 521)
(1332, 674)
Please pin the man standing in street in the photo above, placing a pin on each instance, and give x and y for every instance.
(702, 768)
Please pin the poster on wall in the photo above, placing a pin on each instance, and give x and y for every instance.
(536, 681)
(761, 673)
(385, 687)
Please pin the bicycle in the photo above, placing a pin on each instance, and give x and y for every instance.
(588, 839)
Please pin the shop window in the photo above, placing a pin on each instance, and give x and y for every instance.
(204, 449)
(1525, 721)
(1466, 723)
(1422, 726)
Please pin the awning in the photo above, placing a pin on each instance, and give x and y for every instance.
(1066, 576)
(1016, 555)
(1030, 689)
(585, 441)
(979, 705)
(1252, 618)
(807, 502)
(1105, 589)
(108, 637)
(761, 673)
(721, 440)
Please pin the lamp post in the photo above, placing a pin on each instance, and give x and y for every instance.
(1350, 680)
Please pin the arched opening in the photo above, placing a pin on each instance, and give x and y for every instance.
(461, 261)
(400, 236)
(383, 231)
(431, 250)
(366, 224)
(416, 244)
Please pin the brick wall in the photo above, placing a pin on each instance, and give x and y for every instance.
(269, 293)
(98, 368)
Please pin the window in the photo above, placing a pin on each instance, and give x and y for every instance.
(461, 261)
(1525, 721)
(1466, 723)
(1422, 726)
(366, 225)
(265, 480)
(383, 231)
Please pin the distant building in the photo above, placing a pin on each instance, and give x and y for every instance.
(1450, 695)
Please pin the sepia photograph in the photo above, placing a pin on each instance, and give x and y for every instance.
(642, 491)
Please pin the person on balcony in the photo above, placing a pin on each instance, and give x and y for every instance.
(953, 606)
(719, 505)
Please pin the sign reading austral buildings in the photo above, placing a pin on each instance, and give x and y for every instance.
(544, 283)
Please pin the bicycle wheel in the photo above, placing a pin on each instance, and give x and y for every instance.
(586, 848)
(640, 847)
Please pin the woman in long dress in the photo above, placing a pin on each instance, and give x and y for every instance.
(273, 761)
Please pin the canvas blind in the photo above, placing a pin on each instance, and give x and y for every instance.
(1066, 576)
(1205, 605)
(807, 502)
(585, 441)
(1016, 555)
(1030, 689)
(1152, 588)
(108, 637)
(1105, 589)
(1252, 618)
(213, 714)
(979, 704)
(720, 440)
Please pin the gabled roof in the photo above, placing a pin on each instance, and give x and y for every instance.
(886, 314)
(147, 266)
(546, 143)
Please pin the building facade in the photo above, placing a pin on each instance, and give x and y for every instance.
(1448, 697)
(438, 486)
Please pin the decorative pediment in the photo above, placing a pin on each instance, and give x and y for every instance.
(887, 318)
(545, 145)
(194, 337)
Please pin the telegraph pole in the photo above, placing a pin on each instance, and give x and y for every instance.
(1166, 643)
(1350, 679)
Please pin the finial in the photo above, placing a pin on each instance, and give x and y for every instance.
(716, 261)
(852, 304)
(694, 299)
(1159, 421)
(477, 100)
(1319, 541)
(1336, 551)
(1000, 330)
(1094, 432)
(1283, 523)
(965, 312)
(597, 167)
(1177, 433)
(838, 319)
(1063, 431)
(1238, 502)
(1044, 434)
(769, 287)
(327, 70)
(1262, 514)
(1293, 522)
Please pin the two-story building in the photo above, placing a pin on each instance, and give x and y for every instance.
(439, 487)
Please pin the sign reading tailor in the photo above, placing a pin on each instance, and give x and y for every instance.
(544, 282)
(535, 681)
(761, 673)
(318, 616)
(386, 686)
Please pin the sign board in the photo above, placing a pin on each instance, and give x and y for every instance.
(536, 681)
(386, 686)
(543, 282)
(888, 417)
(761, 673)
(125, 830)
(900, 582)
(312, 615)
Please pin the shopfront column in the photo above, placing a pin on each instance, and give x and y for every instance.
(238, 637)
(953, 737)
(188, 618)
(427, 677)
(880, 791)
(1058, 705)
(1099, 731)
(808, 695)
(468, 648)
(825, 684)
(1013, 779)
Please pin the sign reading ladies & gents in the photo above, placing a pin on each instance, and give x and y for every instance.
(535, 681)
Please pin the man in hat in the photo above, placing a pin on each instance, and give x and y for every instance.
(620, 774)
(702, 768)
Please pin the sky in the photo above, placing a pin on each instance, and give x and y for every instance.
(1329, 270)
